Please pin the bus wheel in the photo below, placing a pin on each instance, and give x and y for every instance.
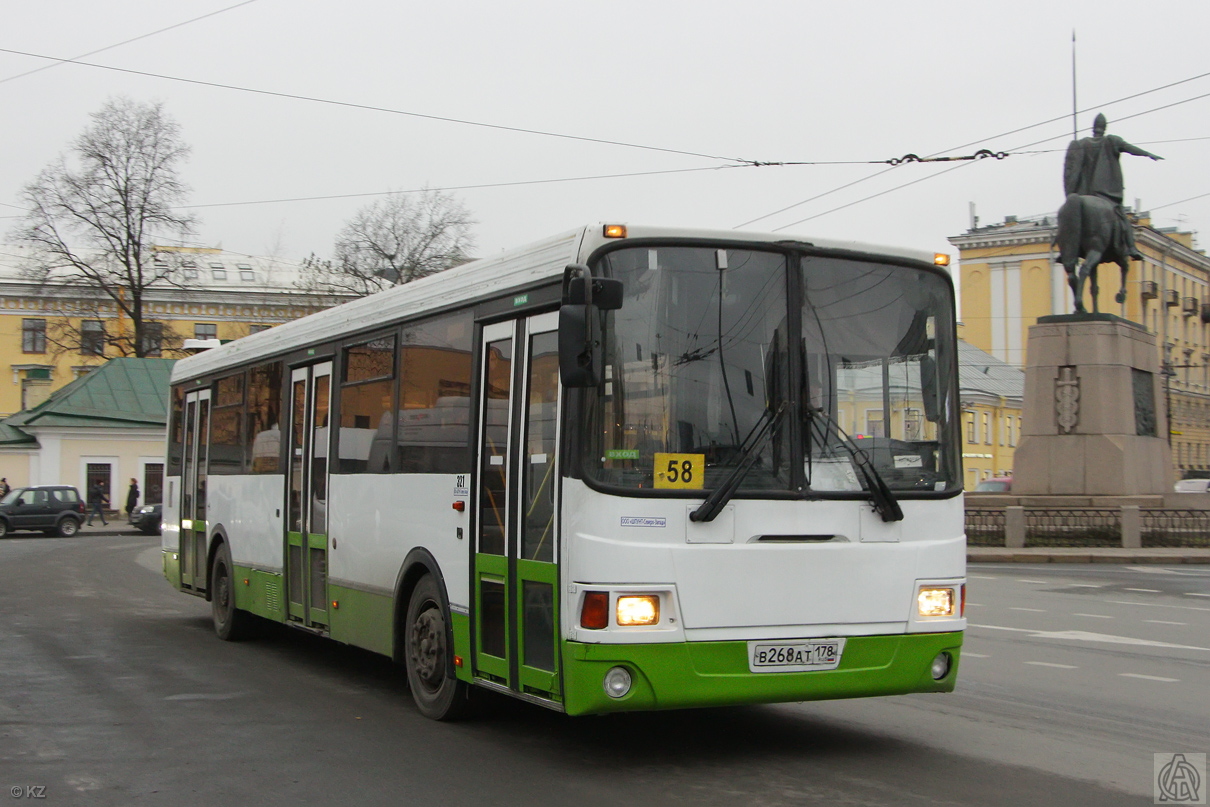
(427, 655)
(230, 623)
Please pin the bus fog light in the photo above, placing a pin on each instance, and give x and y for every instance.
(941, 666)
(617, 682)
(637, 609)
(935, 602)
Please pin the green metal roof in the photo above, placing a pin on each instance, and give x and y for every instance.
(130, 393)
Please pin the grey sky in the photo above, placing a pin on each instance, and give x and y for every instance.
(766, 81)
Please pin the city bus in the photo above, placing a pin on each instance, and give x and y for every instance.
(623, 468)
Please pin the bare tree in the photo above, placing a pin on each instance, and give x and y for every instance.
(92, 223)
(395, 240)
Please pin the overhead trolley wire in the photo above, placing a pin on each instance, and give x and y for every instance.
(125, 41)
(974, 143)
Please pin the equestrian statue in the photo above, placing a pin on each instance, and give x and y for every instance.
(1093, 225)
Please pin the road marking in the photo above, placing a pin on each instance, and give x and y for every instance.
(1094, 616)
(1039, 582)
(976, 604)
(1158, 605)
(1051, 664)
(1034, 610)
(980, 577)
(1085, 636)
(1145, 590)
(1195, 594)
(1086, 585)
(966, 654)
(1150, 678)
(1164, 622)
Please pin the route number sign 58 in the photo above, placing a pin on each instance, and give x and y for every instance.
(684, 471)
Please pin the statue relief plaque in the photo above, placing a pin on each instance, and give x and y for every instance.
(1067, 399)
(1144, 402)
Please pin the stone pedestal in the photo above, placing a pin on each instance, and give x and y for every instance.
(1094, 421)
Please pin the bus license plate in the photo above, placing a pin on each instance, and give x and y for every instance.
(795, 656)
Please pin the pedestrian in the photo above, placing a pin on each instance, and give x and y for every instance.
(132, 497)
(97, 500)
(4, 488)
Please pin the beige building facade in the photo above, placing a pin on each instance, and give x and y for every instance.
(217, 295)
(1009, 276)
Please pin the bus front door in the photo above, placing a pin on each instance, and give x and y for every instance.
(516, 559)
(193, 490)
(307, 499)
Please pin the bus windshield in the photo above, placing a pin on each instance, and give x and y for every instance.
(711, 345)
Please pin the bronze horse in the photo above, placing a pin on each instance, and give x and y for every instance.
(1089, 229)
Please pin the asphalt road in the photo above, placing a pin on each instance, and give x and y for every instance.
(113, 690)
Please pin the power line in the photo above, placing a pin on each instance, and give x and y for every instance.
(124, 42)
(964, 165)
(967, 145)
(372, 108)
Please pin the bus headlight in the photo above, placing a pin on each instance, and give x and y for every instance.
(935, 602)
(638, 609)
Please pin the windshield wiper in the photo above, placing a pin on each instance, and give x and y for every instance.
(881, 496)
(718, 498)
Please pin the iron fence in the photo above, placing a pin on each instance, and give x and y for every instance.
(1091, 527)
(1175, 527)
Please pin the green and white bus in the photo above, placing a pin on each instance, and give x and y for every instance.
(623, 468)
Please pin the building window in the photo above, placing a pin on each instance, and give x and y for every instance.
(92, 337)
(258, 328)
(205, 330)
(33, 335)
(970, 427)
(987, 428)
(246, 273)
(219, 271)
(190, 270)
(153, 338)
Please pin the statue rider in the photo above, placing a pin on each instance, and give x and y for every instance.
(1092, 169)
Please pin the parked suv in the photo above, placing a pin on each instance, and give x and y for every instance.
(54, 509)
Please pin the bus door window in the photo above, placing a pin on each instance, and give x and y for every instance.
(307, 507)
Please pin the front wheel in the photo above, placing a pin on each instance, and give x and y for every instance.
(3, 528)
(427, 654)
(230, 623)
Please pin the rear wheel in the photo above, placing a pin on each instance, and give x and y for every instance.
(230, 623)
(427, 655)
(67, 527)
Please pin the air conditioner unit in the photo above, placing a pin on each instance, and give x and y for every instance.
(1151, 289)
(1171, 298)
(1189, 306)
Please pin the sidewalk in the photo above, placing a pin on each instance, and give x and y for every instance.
(1083, 554)
(116, 526)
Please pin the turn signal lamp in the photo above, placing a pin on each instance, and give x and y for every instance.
(935, 602)
(594, 614)
(615, 230)
(638, 609)
(941, 259)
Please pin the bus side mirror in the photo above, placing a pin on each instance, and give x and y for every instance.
(606, 293)
(577, 361)
(928, 389)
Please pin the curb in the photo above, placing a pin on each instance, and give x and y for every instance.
(1167, 555)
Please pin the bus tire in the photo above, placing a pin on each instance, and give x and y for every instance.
(427, 655)
(230, 623)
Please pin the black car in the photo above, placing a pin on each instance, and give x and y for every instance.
(53, 509)
(147, 518)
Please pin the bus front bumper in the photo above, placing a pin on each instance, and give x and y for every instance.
(693, 674)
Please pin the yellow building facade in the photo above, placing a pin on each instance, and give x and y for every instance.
(219, 295)
(1009, 276)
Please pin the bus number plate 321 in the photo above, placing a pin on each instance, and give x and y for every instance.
(807, 655)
